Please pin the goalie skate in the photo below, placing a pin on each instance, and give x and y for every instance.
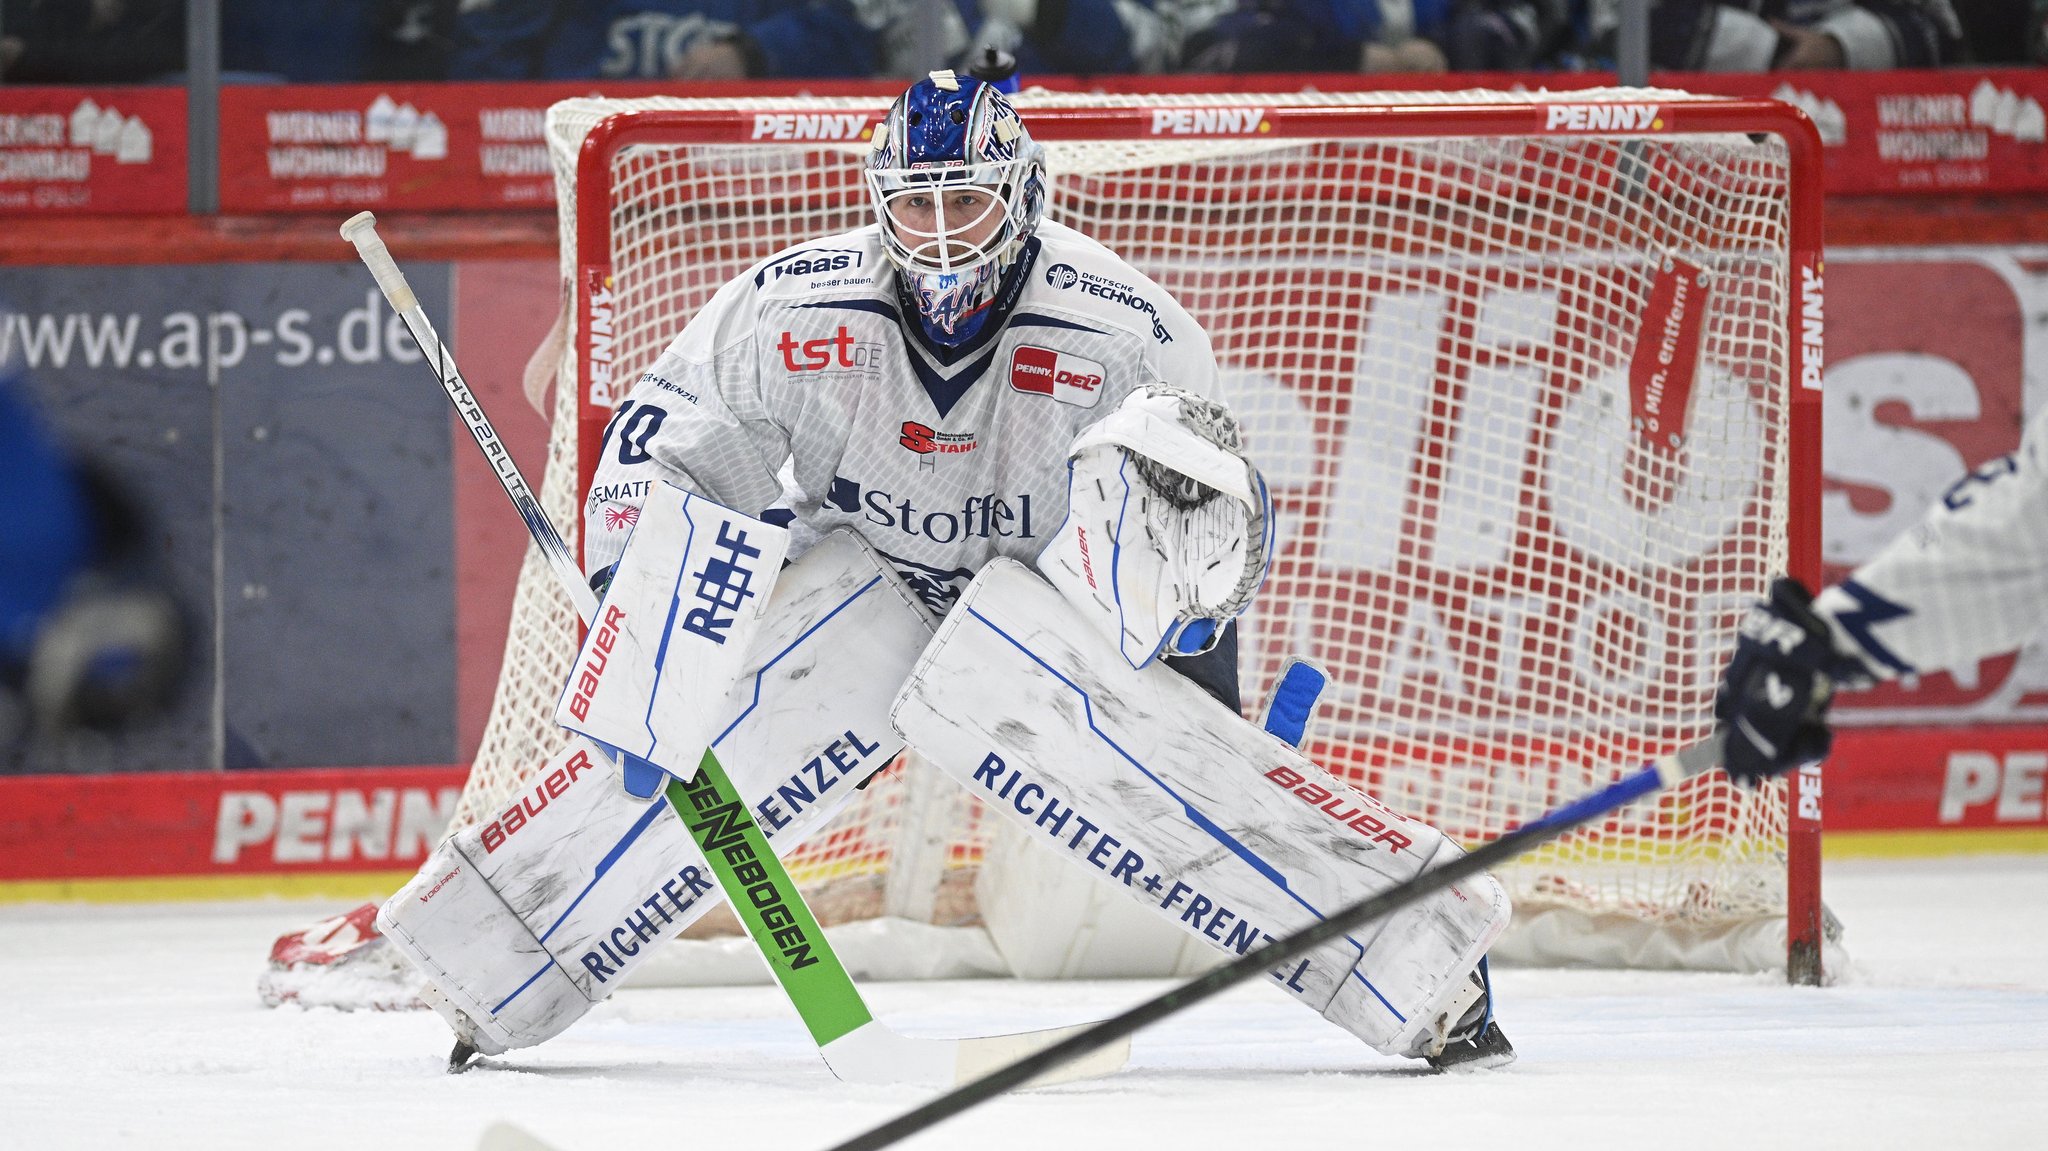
(1488, 1048)
(1474, 1041)
(342, 962)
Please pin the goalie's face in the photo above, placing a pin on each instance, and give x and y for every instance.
(950, 227)
(958, 187)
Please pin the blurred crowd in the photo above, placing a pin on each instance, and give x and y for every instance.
(324, 41)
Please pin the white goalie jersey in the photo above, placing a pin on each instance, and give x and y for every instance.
(1969, 581)
(798, 388)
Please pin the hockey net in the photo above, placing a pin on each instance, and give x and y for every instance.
(1523, 372)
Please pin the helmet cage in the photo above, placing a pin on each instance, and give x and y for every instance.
(925, 229)
(945, 137)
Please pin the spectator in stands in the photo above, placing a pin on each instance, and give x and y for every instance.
(1059, 37)
(90, 41)
(2004, 31)
(1317, 36)
(662, 39)
(1774, 35)
(1513, 35)
(336, 41)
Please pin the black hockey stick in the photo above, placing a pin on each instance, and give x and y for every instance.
(1684, 763)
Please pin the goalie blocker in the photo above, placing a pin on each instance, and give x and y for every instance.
(1213, 823)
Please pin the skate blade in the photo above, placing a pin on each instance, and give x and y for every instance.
(1490, 1049)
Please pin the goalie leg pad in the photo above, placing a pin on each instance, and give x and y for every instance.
(1215, 824)
(487, 975)
(546, 908)
(673, 635)
(1429, 948)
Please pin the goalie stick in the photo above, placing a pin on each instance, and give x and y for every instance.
(856, 1047)
(1682, 764)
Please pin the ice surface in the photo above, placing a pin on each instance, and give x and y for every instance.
(139, 1026)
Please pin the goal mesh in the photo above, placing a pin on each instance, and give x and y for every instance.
(1515, 524)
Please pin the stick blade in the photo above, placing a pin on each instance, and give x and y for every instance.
(873, 1054)
(978, 1057)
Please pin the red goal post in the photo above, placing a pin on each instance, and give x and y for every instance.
(1534, 379)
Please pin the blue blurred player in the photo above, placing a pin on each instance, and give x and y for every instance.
(663, 39)
(1708, 35)
(89, 637)
(1774, 35)
(1058, 37)
(1316, 36)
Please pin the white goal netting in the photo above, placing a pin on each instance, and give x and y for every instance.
(1524, 398)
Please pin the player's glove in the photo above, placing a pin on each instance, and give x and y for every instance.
(1774, 694)
(1162, 485)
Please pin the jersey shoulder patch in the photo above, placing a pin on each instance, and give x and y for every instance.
(1075, 274)
(829, 266)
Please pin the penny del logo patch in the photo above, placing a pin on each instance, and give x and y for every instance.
(1067, 378)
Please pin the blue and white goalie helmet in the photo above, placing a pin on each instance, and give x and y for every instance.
(959, 186)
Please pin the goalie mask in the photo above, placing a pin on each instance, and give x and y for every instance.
(959, 186)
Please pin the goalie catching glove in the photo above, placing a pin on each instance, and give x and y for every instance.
(1167, 535)
(1774, 695)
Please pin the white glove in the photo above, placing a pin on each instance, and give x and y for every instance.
(1167, 532)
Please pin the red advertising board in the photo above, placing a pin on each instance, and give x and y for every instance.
(1930, 353)
(97, 150)
(480, 146)
(1936, 130)
(326, 147)
(214, 824)
(1978, 779)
